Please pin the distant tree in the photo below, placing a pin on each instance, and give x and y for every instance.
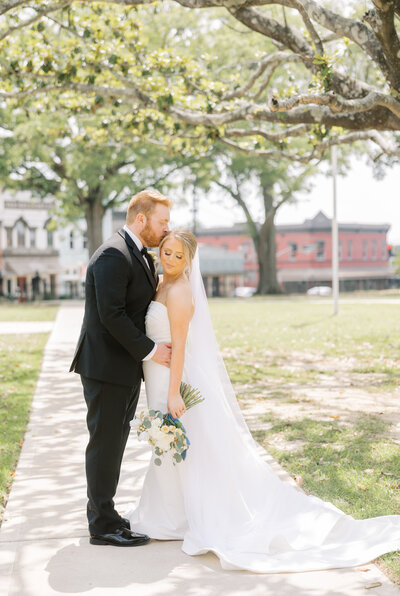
(82, 163)
(253, 182)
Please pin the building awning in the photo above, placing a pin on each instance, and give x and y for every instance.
(26, 266)
(325, 274)
(219, 261)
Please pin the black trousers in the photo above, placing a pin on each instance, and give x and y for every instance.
(110, 410)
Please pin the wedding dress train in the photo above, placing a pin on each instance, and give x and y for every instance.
(224, 498)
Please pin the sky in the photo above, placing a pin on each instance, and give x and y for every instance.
(360, 199)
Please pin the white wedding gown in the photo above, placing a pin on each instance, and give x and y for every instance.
(228, 500)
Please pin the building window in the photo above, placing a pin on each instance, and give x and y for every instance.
(384, 250)
(71, 239)
(32, 237)
(49, 227)
(85, 240)
(349, 249)
(245, 247)
(293, 251)
(20, 227)
(374, 250)
(340, 250)
(365, 250)
(320, 250)
(9, 237)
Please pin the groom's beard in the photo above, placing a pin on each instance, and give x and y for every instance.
(150, 237)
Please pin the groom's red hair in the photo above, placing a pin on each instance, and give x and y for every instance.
(145, 202)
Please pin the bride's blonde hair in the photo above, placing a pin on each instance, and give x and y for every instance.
(189, 244)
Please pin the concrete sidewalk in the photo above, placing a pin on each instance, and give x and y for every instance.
(44, 547)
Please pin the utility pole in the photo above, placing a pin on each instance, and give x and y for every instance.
(335, 243)
(195, 210)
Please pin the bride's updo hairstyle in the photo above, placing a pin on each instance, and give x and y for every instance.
(189, 243)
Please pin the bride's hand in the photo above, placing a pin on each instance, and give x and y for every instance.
(176, 405)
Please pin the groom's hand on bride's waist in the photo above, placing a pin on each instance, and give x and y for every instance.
(163, 354)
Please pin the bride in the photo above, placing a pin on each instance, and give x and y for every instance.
(224, 497)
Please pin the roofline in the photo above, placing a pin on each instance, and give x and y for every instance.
(286, 228)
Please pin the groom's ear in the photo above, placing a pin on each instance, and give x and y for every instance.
(141, 219)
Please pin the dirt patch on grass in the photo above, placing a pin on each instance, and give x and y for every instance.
(333, 390)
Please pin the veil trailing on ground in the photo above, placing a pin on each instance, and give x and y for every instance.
(236, 506)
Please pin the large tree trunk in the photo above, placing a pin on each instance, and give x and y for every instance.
(268, 281)
(266, 249)
(94, 212)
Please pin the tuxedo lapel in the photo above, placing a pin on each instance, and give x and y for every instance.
(138, 255)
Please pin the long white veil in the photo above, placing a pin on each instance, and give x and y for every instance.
(204, 361)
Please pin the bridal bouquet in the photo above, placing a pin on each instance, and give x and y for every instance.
(164, 432)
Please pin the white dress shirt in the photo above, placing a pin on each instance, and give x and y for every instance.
(139, 244)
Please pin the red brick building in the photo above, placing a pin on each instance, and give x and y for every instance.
(304, 253)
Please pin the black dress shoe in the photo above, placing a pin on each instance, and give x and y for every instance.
(125, 523)
(121, 537)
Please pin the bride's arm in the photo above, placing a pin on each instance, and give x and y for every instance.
(180, 311)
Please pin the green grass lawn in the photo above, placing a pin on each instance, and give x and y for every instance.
(20, 360)
(258, 325)
(32, 311)
(346, 457)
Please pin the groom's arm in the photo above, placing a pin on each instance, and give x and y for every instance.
(151, 354)
(111, 273)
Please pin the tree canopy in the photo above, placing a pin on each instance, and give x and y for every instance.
(326, 71)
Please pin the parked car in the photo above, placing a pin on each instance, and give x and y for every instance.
(320, 291)
(243, 292)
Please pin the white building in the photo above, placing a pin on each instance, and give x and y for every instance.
(38, 259)
(29, 260)
(74, 257)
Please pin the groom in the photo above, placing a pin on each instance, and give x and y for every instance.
(120, 283)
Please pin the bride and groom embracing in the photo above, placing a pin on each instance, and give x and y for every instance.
(224, 497)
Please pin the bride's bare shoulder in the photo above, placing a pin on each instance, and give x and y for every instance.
(180, 296)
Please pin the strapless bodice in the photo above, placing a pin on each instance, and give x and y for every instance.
(157, 322)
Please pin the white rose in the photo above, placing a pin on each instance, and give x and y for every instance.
(155, 433)
(144, 436)
(164, 442)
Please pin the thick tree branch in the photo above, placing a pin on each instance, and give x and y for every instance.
(353, 29)
(381, 21)
(238, 198)
(310, 27)
(131, 93)
(268, 64)
(272, 137)
(319, 150)
(387, 147)
(259, 22)
(10, 5)
(337, 104)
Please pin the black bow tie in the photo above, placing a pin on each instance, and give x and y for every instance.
(148, 259)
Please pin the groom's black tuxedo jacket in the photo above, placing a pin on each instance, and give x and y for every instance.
(119, 287)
